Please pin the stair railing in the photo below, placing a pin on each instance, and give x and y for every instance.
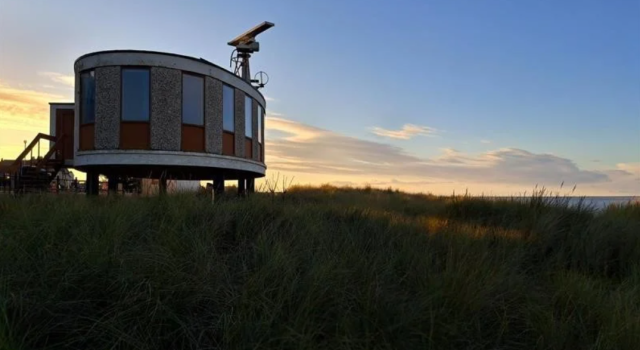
(17, 164)
(57, 148)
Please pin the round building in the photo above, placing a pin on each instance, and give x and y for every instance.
(164, 116)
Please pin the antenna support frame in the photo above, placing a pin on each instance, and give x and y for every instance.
(245, 45)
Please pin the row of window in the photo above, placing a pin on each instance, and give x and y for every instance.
(135, 100)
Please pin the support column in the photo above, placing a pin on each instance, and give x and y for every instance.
(14, 183)
(241, 187)
(92, 183)
(162, 185)
(218, 185)
(113, 184)
(251, 185)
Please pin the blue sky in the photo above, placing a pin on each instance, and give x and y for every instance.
(558, 78)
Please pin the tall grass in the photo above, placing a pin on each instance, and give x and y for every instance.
(324, 268)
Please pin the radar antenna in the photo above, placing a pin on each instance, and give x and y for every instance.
(245, 44)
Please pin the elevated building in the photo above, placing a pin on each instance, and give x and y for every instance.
(145, 114)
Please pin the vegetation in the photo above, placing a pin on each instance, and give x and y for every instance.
(319, 268)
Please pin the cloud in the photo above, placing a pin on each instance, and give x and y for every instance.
(623, 180)
(486, 142)
(629, 168)
(396, 182)
(408, 131)
(310, 150)
(274, 114)
(67, 80)
(269, 99)
(24, 109)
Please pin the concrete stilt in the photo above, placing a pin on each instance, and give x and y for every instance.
(251, 185)
(113, 184)
(92, 183)
(162, 185)
(218, 185)
(241, 187)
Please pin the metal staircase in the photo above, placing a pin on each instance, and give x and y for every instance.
(27, 175)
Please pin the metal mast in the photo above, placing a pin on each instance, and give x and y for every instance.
(245, 45)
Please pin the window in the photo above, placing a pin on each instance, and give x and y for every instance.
(228, 124)
(192, 99)
(135, 94)
(260, 117)
(248, 120)
(88, 97)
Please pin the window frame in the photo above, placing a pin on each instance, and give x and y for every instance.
(182, 98)
(249, 108)
(122, 69)
(260, 123)
(82, 115)
(233, 108)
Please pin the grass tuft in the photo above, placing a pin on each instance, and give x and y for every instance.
(323, 267)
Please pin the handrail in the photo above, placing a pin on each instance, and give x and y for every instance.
(56, 146)
(16, 163)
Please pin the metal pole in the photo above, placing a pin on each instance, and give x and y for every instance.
(246, 74)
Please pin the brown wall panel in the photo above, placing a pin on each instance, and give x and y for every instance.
(248, 148)
(192, 138)
(228, 143)
(86, 137)
(134, 135)
(64, 125)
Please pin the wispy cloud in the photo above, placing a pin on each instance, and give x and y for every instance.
(306, 149)
(486, 142)
(269, 98)
(407, 132)
(631, 168)
(66, 80)
(624, 179)
(274, 114)
(391, 182)
(24, 109)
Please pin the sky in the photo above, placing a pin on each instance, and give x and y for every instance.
(492, 97)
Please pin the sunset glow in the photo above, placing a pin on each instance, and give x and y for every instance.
(496, 124)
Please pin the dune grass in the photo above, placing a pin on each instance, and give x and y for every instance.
(320, 268)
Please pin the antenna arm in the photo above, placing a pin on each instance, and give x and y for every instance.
(231, 58)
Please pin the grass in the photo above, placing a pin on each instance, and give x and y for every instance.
(321, 268)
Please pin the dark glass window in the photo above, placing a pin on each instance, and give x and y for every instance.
(260, 121)
(248, 120)
(192, 99)
(88, 97)
(135, 94)
(228, 108)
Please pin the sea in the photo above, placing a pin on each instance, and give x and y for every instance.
(602, 202)
(596, 203)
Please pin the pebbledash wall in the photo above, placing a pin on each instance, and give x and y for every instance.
(143, 110)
